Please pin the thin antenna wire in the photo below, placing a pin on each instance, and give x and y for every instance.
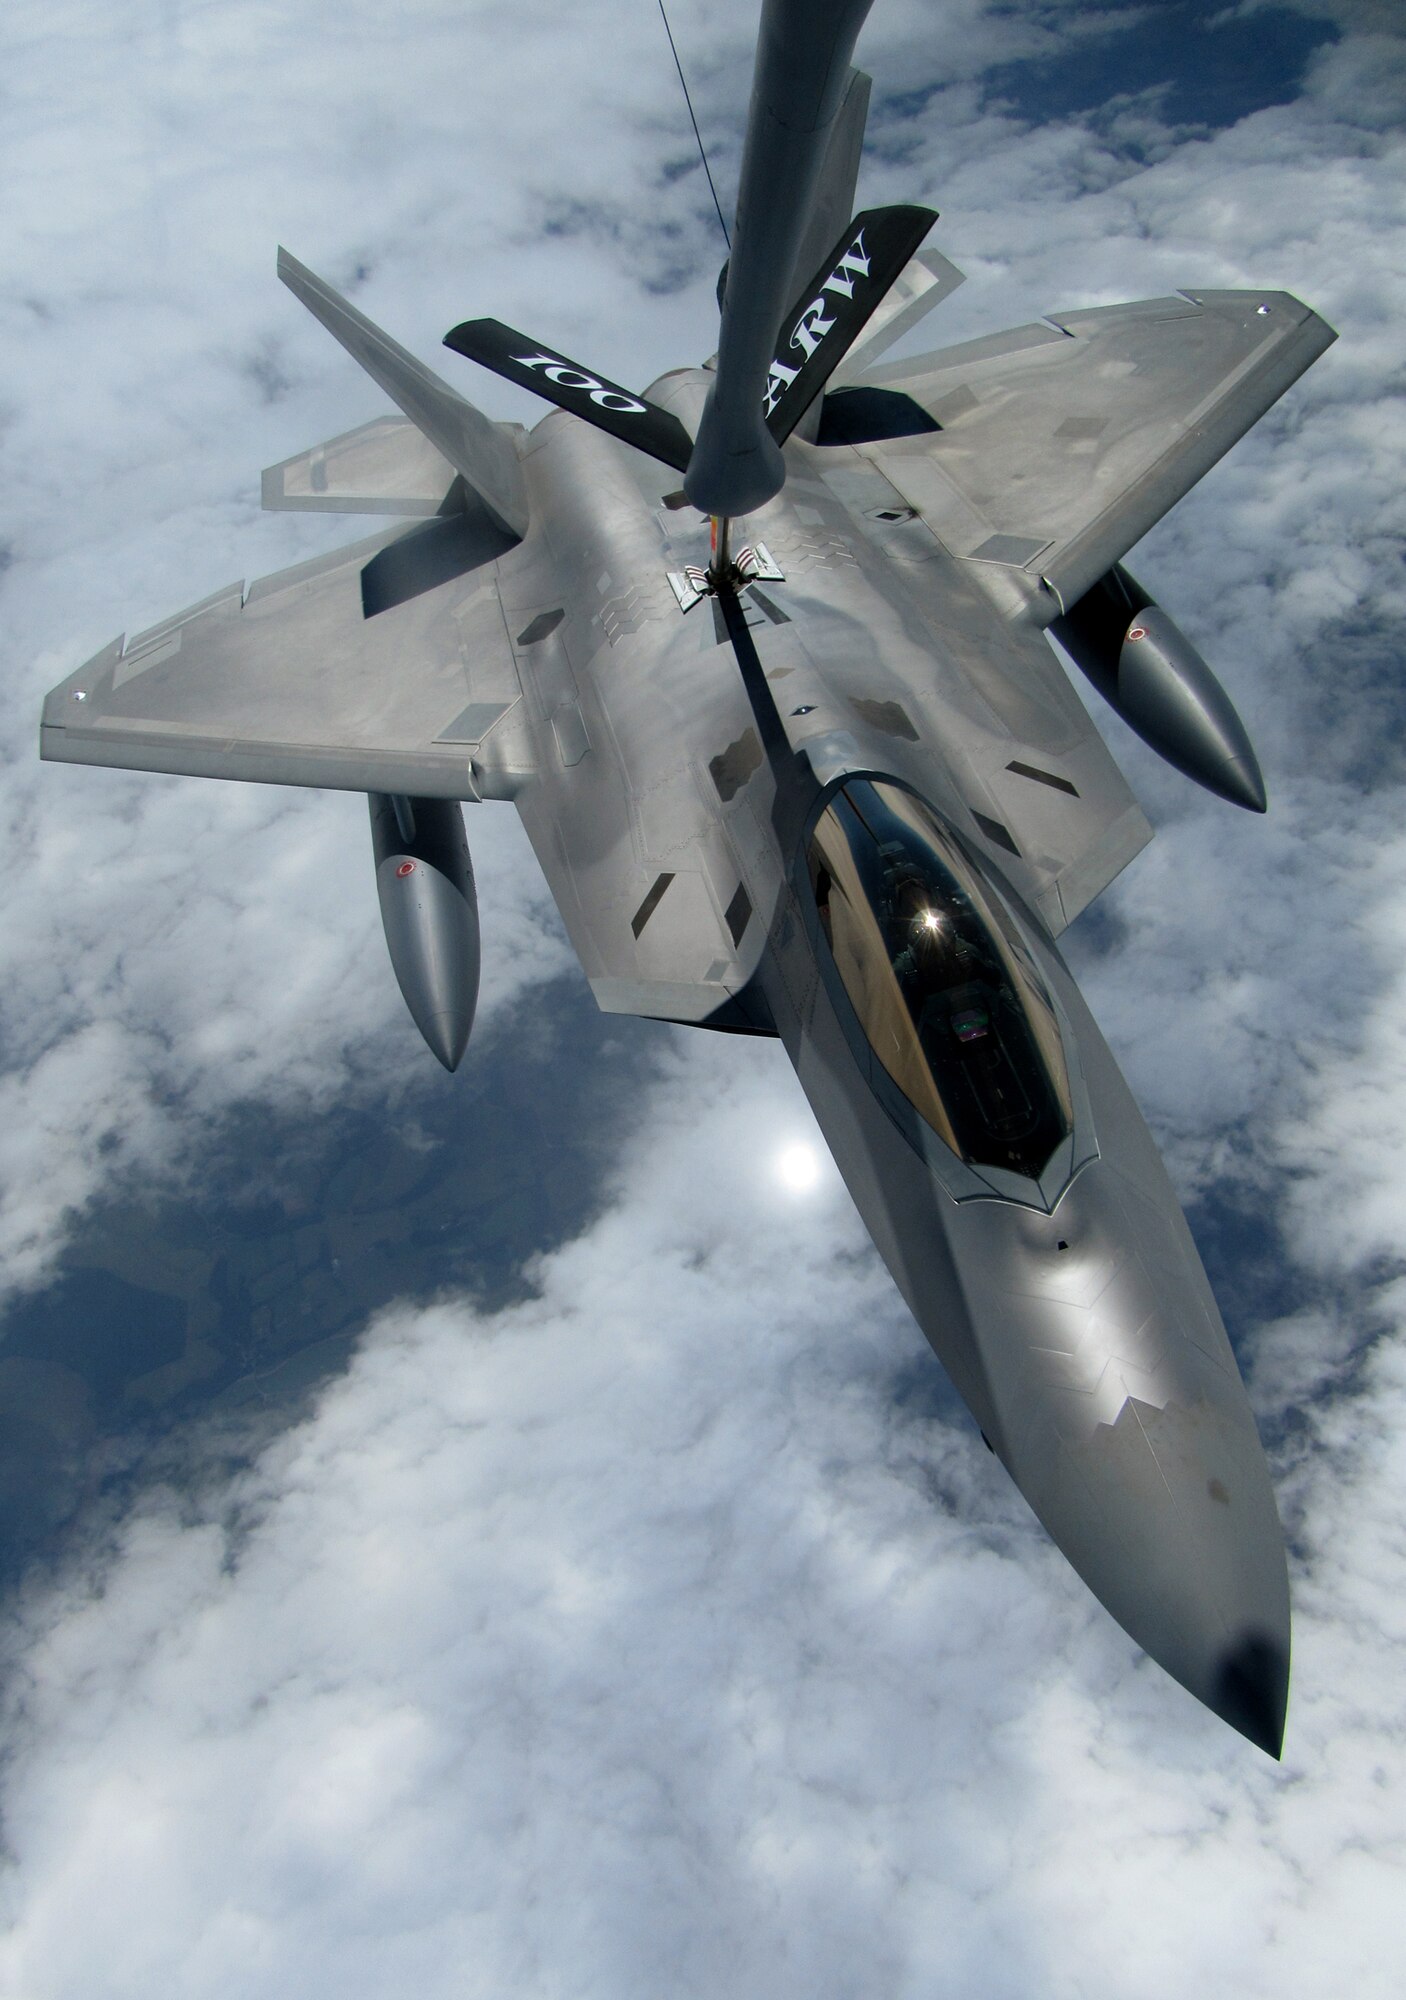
(696, 133)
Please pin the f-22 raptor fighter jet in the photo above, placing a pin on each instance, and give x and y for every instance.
(760, 657)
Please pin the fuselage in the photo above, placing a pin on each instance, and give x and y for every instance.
(678, 806)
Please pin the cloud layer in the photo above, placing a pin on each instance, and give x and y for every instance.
(671, 1627)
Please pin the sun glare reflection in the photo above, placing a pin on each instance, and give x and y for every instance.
(797, 1167)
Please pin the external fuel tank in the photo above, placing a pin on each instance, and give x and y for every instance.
(429, 909)
(1146, 668)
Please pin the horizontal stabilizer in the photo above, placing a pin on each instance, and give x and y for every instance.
(833, 203)
(476, 447)
(387, 466)
(922, 284)
(573, 388)
(833, 308)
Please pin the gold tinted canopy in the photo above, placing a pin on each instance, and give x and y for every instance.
(945, 990)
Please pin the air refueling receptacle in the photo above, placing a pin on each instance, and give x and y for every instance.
(1147, 669)
(429, 910)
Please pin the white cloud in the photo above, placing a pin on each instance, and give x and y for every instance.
(672, 1629)
(644, 1632)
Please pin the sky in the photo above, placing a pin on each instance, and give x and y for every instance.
(503, 1533)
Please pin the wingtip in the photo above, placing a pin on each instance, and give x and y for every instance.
(294, 273)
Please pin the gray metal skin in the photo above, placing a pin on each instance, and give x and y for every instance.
(667, 801)
(1074, 1317)
(522, 642)
(429, 912)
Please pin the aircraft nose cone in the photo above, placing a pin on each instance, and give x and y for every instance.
(1170, 1516)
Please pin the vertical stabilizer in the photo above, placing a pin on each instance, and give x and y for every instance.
(475, 446)
(834, 202)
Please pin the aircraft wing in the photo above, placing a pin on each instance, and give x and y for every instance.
(387, 466)
(1051, 795)
(1061, 443)
(379, 668)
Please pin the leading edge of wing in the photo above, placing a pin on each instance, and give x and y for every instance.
(332, 673)
(1061, 443)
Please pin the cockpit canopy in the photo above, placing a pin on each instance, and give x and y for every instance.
(945, 990)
